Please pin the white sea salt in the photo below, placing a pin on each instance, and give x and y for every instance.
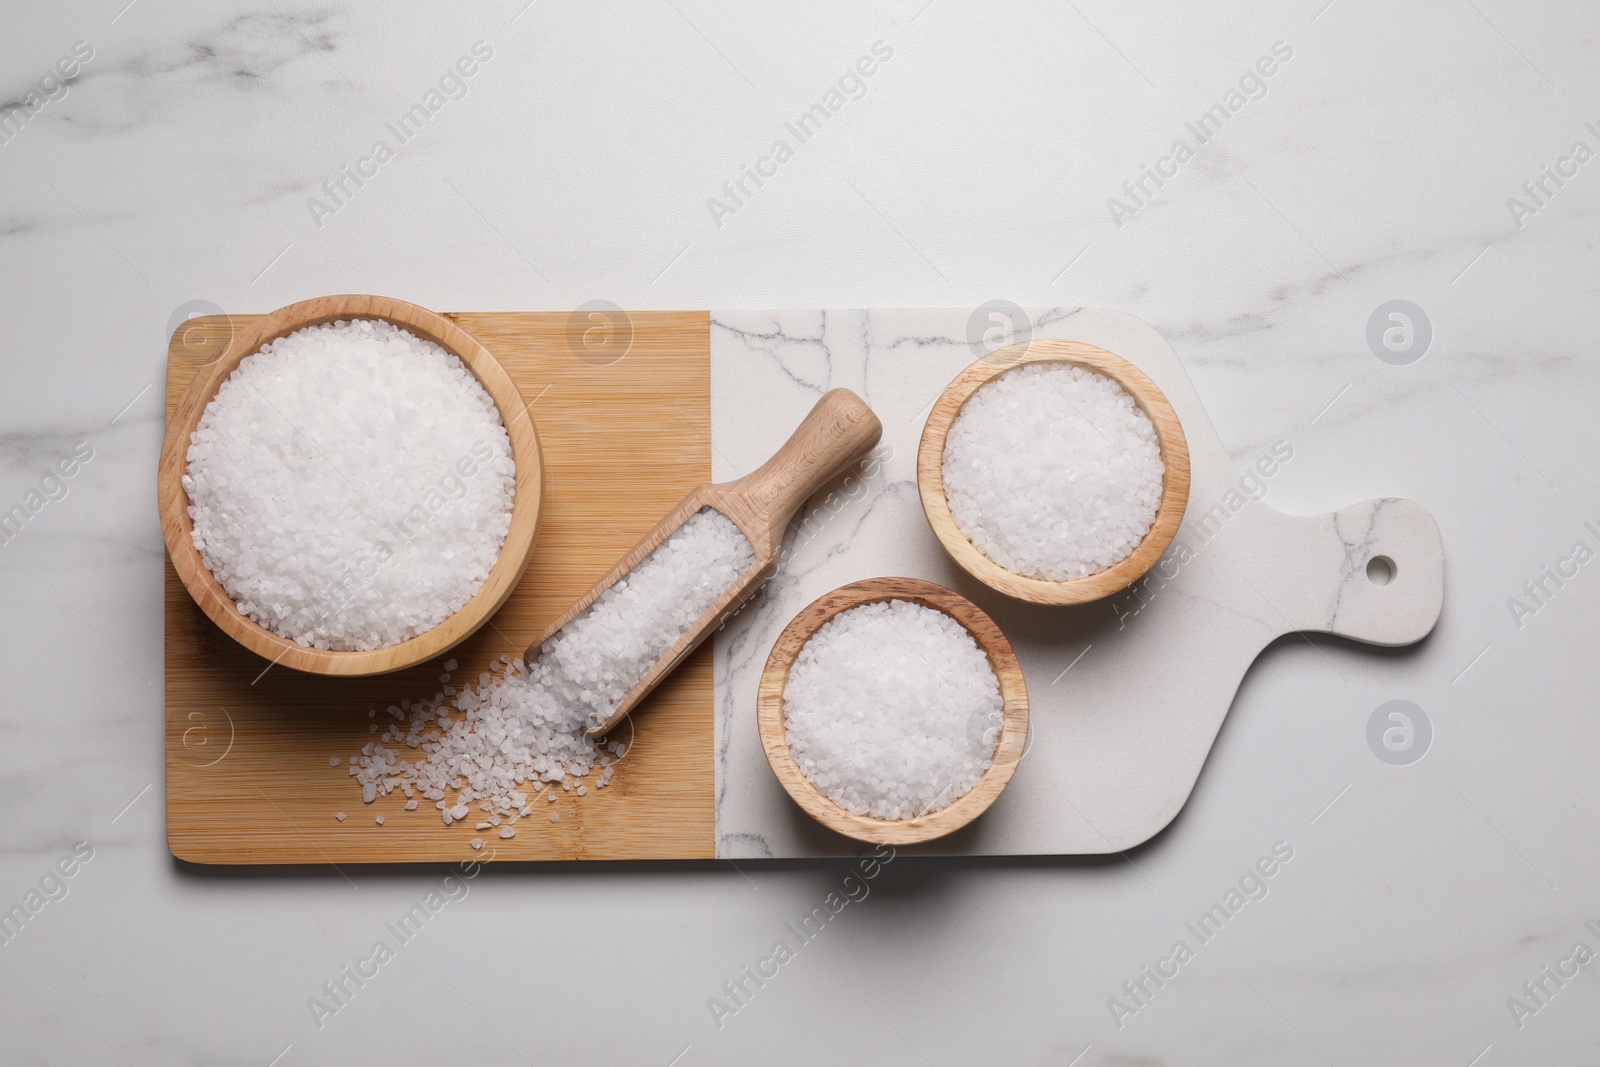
(892, 710)
(602, 654)
(527, 724)
(1052, 471)
(350, 484)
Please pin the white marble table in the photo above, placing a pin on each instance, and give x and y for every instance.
(975, 163)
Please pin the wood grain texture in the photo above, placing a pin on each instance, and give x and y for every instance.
(1174, 484)
(248, 779)
(836, 433)
(173, 502)
(1008, 748)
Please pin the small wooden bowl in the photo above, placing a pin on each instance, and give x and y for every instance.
(1008, 751)
(177, 527)
(1174, 484)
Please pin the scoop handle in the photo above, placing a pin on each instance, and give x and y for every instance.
(839, 430)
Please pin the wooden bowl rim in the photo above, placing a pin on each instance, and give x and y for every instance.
(1152, 401)
(515, 553)
(1002, 660)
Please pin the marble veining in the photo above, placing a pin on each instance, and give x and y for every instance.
(1240, 573)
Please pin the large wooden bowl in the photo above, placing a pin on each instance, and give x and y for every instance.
(1174, 483)
(177, 527)
(1008, 750)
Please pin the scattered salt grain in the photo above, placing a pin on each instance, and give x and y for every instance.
(477, 842)
(1052, 471)
(892, 710)
(555, 816)
(378, 820)
(524, 723)
(350, 485)
(411, 805)
(333, 761)
(507, 832)
(339, 815)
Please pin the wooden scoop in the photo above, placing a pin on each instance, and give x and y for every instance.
(839, 430)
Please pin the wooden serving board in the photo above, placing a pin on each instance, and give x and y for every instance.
(1126, 694)
(248, 744)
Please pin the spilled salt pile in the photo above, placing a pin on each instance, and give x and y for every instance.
(1052, 471)
(351, 485)
(482, 745)
(892, 710)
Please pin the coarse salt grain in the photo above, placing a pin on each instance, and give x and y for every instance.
(1053, 471)
(892, 710)
(526, 723)
(350, 485)
(601, 655)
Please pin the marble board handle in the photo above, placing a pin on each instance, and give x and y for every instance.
(1372, 572)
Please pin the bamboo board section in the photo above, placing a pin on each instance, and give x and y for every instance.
(248, 743)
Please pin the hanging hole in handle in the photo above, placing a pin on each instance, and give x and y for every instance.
(1380, 570)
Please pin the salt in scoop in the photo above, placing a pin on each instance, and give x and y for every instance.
(837, 432)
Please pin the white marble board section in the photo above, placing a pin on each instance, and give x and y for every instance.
(1126, 694)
